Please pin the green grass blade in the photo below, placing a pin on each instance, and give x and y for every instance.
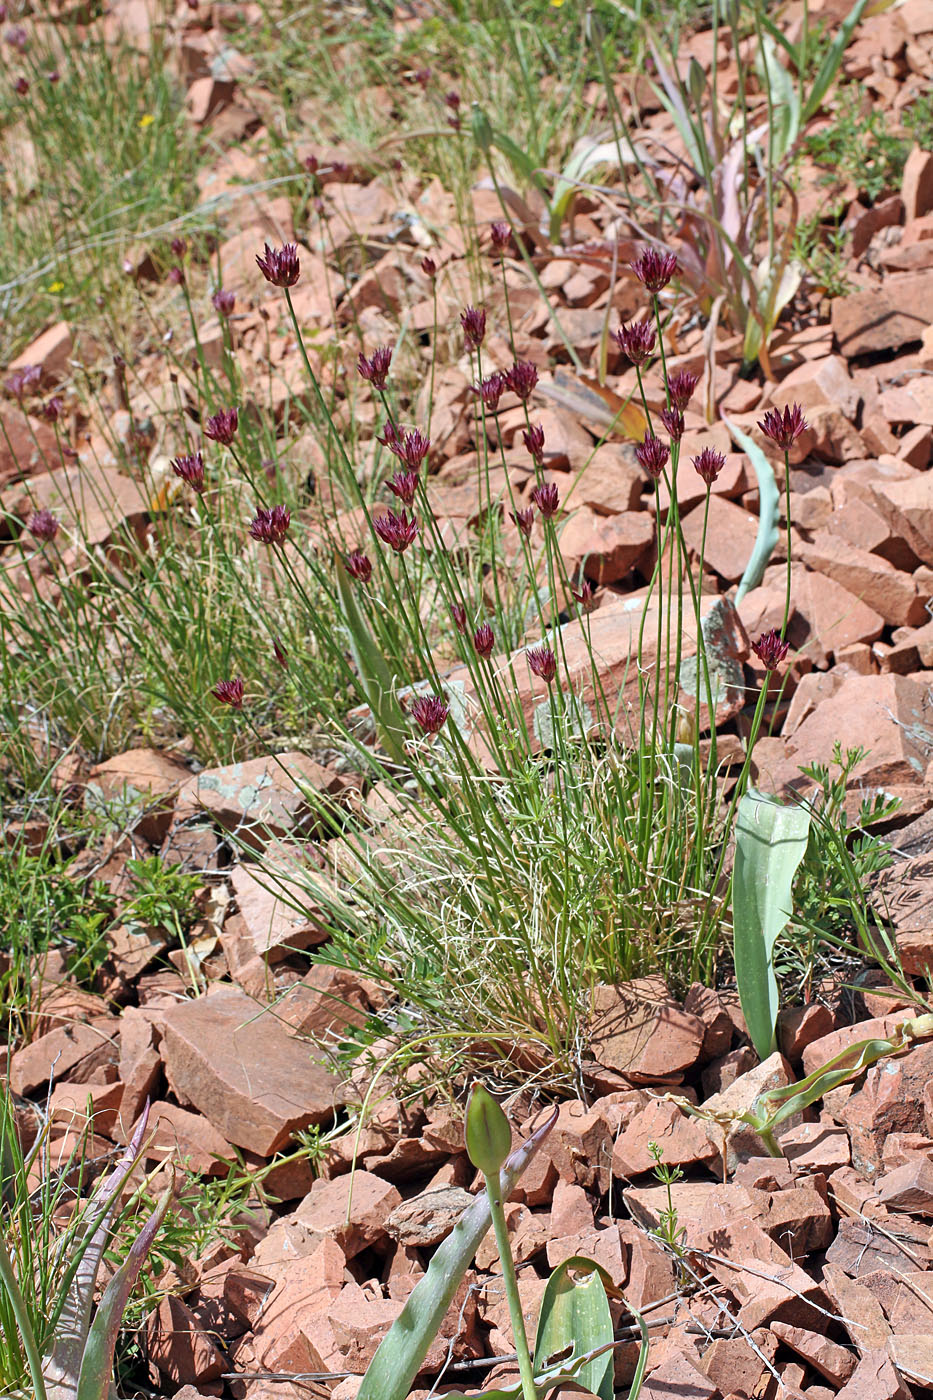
(575, 1313)
(770, 843)
(401, 1353)
(374, 675)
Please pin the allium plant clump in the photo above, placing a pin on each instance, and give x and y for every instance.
(550, 829)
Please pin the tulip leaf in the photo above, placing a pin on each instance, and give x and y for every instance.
(770, 843)
(575, 1314)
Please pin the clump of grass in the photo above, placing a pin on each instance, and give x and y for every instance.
(97, 153)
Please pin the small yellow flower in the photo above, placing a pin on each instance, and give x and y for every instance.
(147, 120)
(56, 287)
(557, 4)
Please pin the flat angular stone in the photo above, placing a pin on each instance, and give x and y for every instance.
(74, 1053)
(889, 1100)
(613, 631)
(739, 1142)
(908, 1188)
(683, 1141)
(142, 782)
(370, 1200)
(429, 1217)
(861, 1313)
(907, 506)
(258, 800)
(887, 590)
(90, 500)
(766, 1283)
(893, 719)
(874, 1378)
(638, 1030)
(607, 547)
(179, 1347)
(860, 1250)
(884, 317)
(730, 537)
(251, 1079)
(830, 1359)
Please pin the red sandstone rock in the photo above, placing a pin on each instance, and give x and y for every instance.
(178, 1346)
(256, 1083)
(257, 799)
(884, 317)
(830, 1359)
(639, 1031)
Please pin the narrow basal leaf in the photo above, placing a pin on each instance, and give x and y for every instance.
(768, 511)
(770, 843)
(96, 1378)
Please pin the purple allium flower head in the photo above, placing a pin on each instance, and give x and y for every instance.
(404, 485)
(229, 692)
(784, 429)
(637, 341)
(422, 77)
(652, 455)
(190, 467)
(311, 164)
(410, 448)
(680, 387)
(458, 613)
(413, 448)
(490, 390)
(500, 233)
(430, 713)
(280, 266)
(44, 525)
(359, 566)
(708, 464)
(429, 267)
(654, 269)
(673, 421)
(179, 248)
(484, 639)
(23, 381)
(222, 426)
(279, 652)
(521, 379)
(223, 301)
(547, 498)
(396, 530)
(54, 409)
(533, 438)
(542, 661)
(21, 86)
(375, 370)
(524, 519)
(176, 275)
(54, 76)
(452, 103)
(17, 38)
(473, 321)
(271, 526)
(585, 595)
(770, 649)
